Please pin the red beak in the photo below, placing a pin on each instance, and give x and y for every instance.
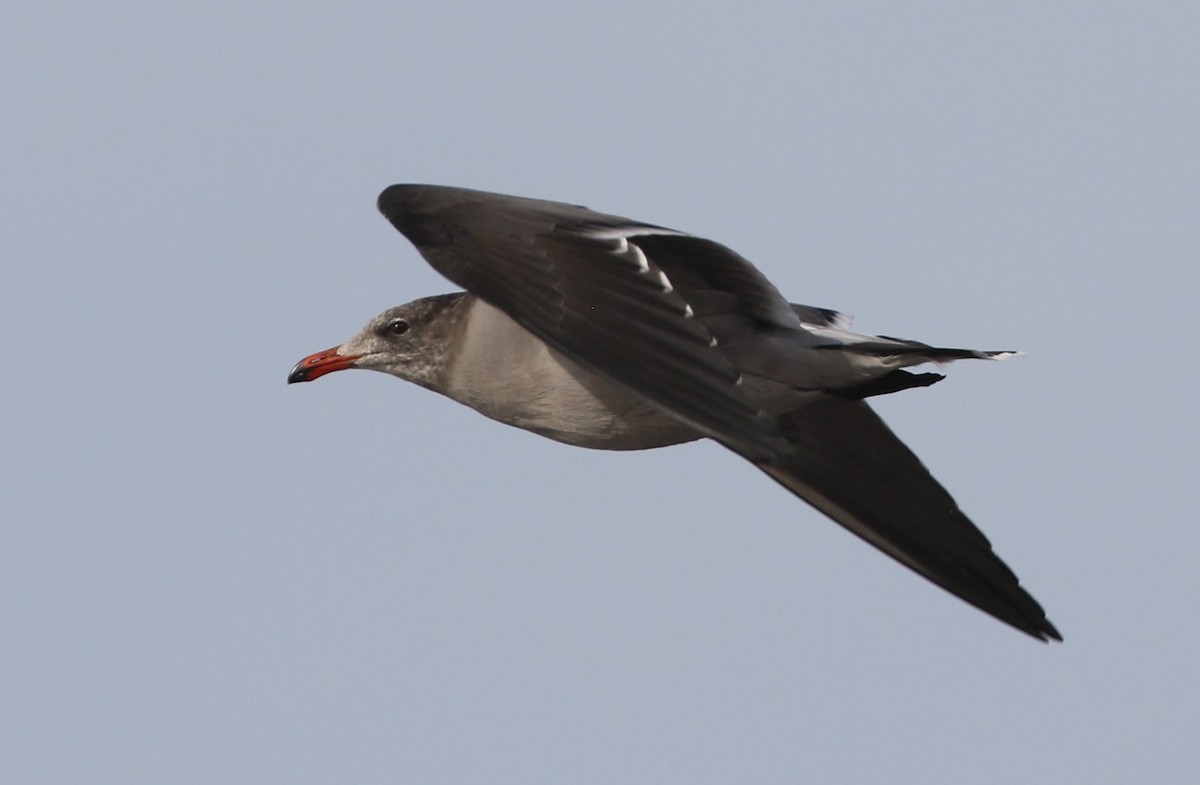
(321, 363)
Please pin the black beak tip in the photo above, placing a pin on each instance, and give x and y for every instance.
(298, 373)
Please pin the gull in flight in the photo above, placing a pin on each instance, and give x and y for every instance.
(604, 332)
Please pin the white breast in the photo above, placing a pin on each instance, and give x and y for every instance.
(504, 372)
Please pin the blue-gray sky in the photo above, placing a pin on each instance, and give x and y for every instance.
(207, 576)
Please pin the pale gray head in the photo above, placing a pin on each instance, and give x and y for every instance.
(409, 341)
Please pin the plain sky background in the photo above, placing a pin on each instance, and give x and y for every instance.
(207, 576)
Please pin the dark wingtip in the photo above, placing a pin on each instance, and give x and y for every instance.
(393, 198)
(893, 382)
(413, 210)
(1049, 632)
(398, 200)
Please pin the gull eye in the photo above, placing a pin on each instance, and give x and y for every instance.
(397, 327)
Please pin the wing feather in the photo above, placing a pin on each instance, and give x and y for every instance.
(848, 464)
(644, 306)
(566, 275)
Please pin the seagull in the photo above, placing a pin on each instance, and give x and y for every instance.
(609, 333)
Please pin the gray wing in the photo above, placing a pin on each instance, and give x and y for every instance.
(644, 306)
(848, 464)
(822, 317)
(575, 279)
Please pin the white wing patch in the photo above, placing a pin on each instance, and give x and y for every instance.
(639, 257)
(626, 248)
(632, 230)
(620, 237)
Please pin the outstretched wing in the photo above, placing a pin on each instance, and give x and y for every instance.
(848, 464)
(581, 282)
(648, 307)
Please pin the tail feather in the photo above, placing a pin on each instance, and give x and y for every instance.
(918, 352)
(895, 381)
